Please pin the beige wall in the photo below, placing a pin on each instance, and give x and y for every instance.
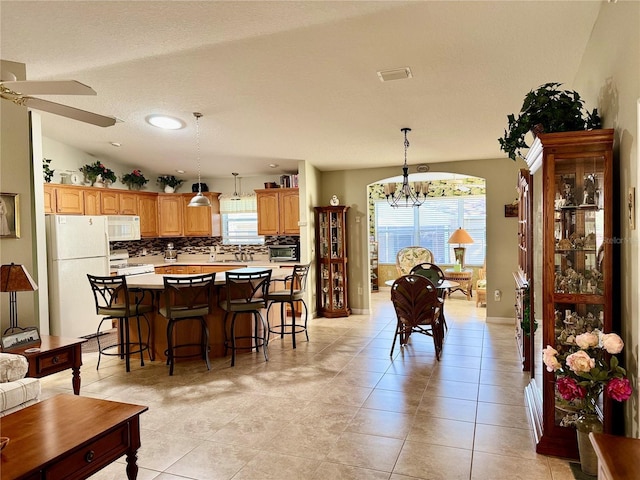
(15, 177)
(610, 73)
(501, 177)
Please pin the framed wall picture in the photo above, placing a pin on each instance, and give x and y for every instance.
(9, 215)
(21, 339)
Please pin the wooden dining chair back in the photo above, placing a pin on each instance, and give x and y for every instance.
(415, 300)
(113, 301)
(245, 292)
(293, 291)
(187, 298)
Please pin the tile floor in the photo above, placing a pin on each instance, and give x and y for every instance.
(337, 407)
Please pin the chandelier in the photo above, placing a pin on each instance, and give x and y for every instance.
(408, 194)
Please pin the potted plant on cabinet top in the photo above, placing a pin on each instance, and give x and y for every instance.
(545, 110)
(94, 170)
(46, 170)
(169, 183)
(134, 180)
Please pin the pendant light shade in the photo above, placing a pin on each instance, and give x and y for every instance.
(199, 200)
(235, 195)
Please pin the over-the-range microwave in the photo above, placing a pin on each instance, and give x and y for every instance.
(283, 253)
(123, 227)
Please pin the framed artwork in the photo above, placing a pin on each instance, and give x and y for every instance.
(9, 215)
(20, 339)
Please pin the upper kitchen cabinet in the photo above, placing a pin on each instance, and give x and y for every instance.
(176, 219)
(278, 211)
(170, 208)
(66, 199)
(113, 202)
(202, 221)
(148, 212)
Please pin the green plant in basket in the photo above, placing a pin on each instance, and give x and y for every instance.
(134, 179)
(93, 170)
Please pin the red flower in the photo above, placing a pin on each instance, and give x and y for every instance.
(569, 389)
(619, 389)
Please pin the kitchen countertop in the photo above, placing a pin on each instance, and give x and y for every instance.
(193, 259)
(154, 281)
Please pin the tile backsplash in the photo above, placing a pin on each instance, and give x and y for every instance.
(196, 245)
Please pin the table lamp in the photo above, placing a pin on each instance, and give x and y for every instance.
(460, 236)
(15, 278)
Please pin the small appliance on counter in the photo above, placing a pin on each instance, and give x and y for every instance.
(170, 254)
(283, 253)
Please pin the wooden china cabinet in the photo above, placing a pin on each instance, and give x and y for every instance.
(331, 252)
(578, 288)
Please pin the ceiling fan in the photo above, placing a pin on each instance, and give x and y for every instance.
(19, 93)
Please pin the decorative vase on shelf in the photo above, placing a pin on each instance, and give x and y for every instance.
(169, 189)
(587, 423)
(98, 182)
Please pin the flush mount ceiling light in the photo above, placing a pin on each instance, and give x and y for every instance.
(198, 199)
(115, 144)
(165, 122)
(396, 74)
(408, 194)
(235, 195)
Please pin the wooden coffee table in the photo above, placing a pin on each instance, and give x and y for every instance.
(55, 354)
(70, 437)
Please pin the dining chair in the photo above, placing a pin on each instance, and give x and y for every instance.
(187, 298)
(408, 257)
(113, 300)
(295, 287)
(245, 293)
(434, 273)
(415, 300)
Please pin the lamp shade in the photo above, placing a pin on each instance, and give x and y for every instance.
(15, 278)
(460, 236)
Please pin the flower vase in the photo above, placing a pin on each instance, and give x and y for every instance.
(586, 423)
(98, 182)
(169, 189)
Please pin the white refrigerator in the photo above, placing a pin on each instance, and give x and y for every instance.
(76, 245)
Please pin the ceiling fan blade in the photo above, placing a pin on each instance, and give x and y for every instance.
(69, 112)
(45, 87)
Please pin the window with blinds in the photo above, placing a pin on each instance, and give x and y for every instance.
(240, 221)
(430, 226)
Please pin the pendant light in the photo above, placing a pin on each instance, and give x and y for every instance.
(199, 200)
(235, 195)
(408, 195)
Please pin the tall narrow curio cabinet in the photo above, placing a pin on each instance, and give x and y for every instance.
(577, 268)
(331, 253)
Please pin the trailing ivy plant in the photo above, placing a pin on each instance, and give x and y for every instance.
(547, 109)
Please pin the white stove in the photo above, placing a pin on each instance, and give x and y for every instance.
(119, 263)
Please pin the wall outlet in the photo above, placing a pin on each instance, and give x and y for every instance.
(360, 292)
(497, 295)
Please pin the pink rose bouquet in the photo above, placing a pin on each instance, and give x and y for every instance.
(588, 368)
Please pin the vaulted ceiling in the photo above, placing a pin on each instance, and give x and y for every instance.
(279, 82)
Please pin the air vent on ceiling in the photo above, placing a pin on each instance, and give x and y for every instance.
(396, 74)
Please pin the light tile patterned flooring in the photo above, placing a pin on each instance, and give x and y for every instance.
(337, 407)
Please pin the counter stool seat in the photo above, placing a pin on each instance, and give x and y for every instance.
(245, 293)
(187, 299)
(113, 301)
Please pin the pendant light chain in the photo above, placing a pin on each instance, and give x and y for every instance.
(198, 115)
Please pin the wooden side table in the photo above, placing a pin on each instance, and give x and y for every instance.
(55, 354)
(464, 278)
(618, 457)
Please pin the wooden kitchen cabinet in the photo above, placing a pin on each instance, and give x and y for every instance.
(49, 198)
(201, 221)
(113, 202)
(92, 201)
(148, 212)
(170, 207)
(278, 211)
(69, 199)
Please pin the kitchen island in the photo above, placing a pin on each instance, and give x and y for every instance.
(189, 332)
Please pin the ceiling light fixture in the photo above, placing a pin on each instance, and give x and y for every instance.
(408, 194)
(198, 199)
(165, 122)
(235, 195)
(115, 144)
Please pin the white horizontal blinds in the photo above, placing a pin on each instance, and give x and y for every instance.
(430, 226)
(246, 204)
(240, 220)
